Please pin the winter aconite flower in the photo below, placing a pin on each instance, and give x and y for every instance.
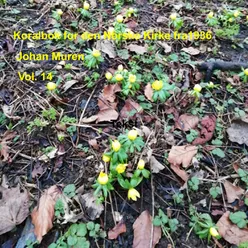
(86, 5)
(157, 85)
(51, 86)
(132, 78)
(197, 88)
(211, 14)
(96, 53)
(119, 18)
(120, 168)
(106, 158)
(102, 178)
(59, 12)
(173, 16)
(120, 68)
(132, 134)
(111, 30)
(210, 85)
(108, 75)
(246, 71)
(118, 77)
(141, 164)
(236, 13)
(116, 145)
(133, 194)
(213, 231)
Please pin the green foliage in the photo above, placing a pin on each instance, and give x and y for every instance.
(194, 183)
(239, 218)
(215, 191)
(92, 61)
(2, 2)
(49, 114)
(178, 198)
(36, 123)
(192, 135)
(218, 152)
(3, 118)
(59, 208)
(67, 119)
(243, 245)
(69, 190)
(243, 175)
(91, 80)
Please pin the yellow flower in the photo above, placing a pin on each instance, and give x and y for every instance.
(213, 231)
(116, 145)
(108, 75)
(173, 16)
(96, 53)
(119, 18)
(106, 158)
(131, 10)
(132, 78)
(120, 168)
(211, 85)
(141, 164)
(230, 19)
(111, 30)
(157, 85)
(102, 178)
(59, 12)
(132, 134)
(246, 71)
(118, 77)
(247, 18)
(116, 3)
(236, 13)
(133, 194)
(51, 86)
(86, 5)
(211, 14)
(197, 88)
(120, 68)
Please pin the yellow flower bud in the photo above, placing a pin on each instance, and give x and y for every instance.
(59, 12)
(133, 194)
(132, 134)
(213, 231)
(120, 68)
(102, 178)
(211, 14)
(96, 53)
(157, 85)
(247, 18)
(236, 13)
(230, 19)
(86, 5)
(108, 75)
(119, 18)
(116, 145)
(173, 16)
(246, 71)
(132, 78)
(120, 168)
(131, 10)
(106, 158)
(141, 164)
(118, 77)
(197, 88)
(211, 85)
(111, 30)
(51, 86)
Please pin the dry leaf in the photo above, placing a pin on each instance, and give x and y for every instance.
(14, 208)
(106, 46)
(238, 132)
(69, 84)
(230, 232)
(48, 156)
(8, 111)
(156, 166)
(93, 143)
(109, 92)
(182, 155)
(43, 214)
(162, 19)
(117, 230)
(181, 173)
(136, 48)
(186, 122)
(4, 151)
(107, 115)
(93, 3)
(149, 92)
(191, 50)
(232, 192)
(167, 48)
(130, 107)
(142, 231)
(90, 119)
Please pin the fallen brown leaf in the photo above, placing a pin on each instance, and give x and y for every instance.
(14, 208)
(137, 49)
(232, 192)
(207, 130)
(94, 144)
(191, 50)
(130, 107)
(182, 155)
(43, 214)
(186, 122)
(4, 151)
(107, 46)
(230, 232)
(149, 92)
(156, 166)
(167, 48)
(109, 92)
(142, 231)
(181, 173)
(117, 230)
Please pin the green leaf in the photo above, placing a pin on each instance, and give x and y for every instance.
(82, 230)
(238, 218)
(90, 225)
(72, 240)
(173, 223)
(69, 190)
(218, 152)
(157, 221)
(215, 191)
(123, 53)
